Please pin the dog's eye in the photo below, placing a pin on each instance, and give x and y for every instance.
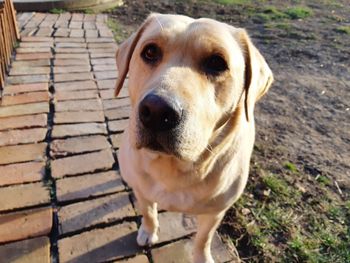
(214, 65)
(151, 53)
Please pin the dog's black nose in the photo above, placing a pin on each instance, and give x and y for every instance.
(157, 114)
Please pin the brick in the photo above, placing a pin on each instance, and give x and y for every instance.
(101, 18)
(77, 17)
(24, 195)
(102, 55)
(37, 39)
(78, 145)
(25, 98)
(107, 68)
(89, 17)
(76, 95)
(33, 56)
(44, 32)
(90, 185)
(28, 31)
(116, 140)
(69, 39)
(22, 153)
(61, 24)
(60, 131)
(76, 25)
(33, 50)
(180, 251)
(28, 79)
(115, 103)
(103, 61)
(83, 163)
(106, 84)
(28, 121)
(91, 33)
(13, 137)
(89, 25)
(72, 69)
(76, 85)
(70, 50)
(106, 33)
(24, 109)
(109, 93)
(99, 39)
(137, 259)
(15, 71)
(36, 44)
(62, 32)
(25, 224)
(96, 211)
(71, 62)
(78, 117)
(73, 77)
(27, 251)
(103, 45)
(102, 50)
(117, 114)
(30, 63)
(72, 56)
(118, 126)
(14, 89)
(78, 105)
(100, 245)
(76, 33)
(175, 225)
(70, 45)
(21, 173)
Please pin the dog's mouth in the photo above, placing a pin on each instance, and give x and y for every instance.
(163, 142)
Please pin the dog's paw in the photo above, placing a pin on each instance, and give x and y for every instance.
(146, 239)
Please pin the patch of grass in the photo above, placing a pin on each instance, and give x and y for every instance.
(119, 34)
(343, 30)
(276, 185)
(298, 12)
(89, 11)
(232, 2)
(290, 167)
(324, 180)
(284, 26)
(57, 11)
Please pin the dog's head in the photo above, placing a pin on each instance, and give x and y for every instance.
(186, 77)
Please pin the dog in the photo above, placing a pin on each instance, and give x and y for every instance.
(193, 84)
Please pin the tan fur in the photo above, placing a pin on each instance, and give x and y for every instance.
(210, 168)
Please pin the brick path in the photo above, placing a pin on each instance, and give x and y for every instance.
(61, 195)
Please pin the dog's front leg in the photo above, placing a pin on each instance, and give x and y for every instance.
(207, 224)
(148, 231)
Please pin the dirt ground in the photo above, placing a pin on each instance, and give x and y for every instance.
(303, 125)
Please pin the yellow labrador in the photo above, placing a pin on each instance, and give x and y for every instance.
(193, 84)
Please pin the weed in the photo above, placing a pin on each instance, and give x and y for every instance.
(290, 167)
(324, 180)
(118, 32)
(276, 185)
(233, 2)
(343, 30)
(57, 11)
(298, 12)
(89, 11)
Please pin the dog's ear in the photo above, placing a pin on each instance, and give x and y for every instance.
(124, 54)
(258, 75)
